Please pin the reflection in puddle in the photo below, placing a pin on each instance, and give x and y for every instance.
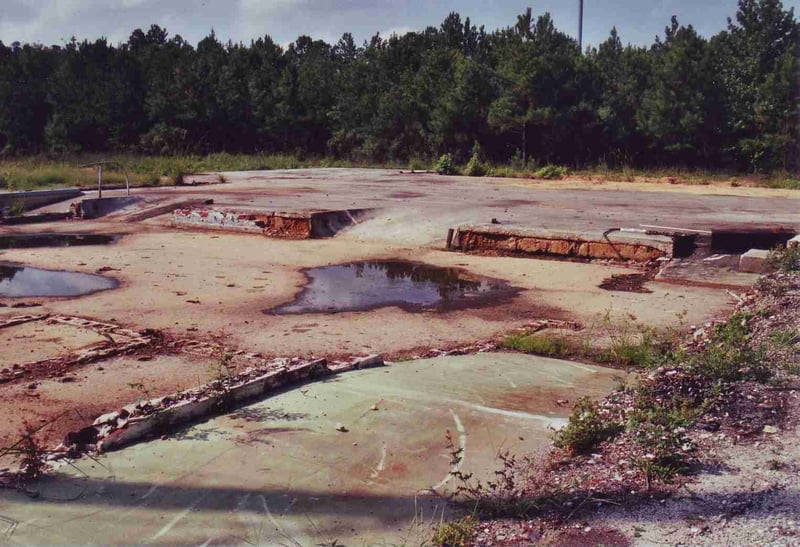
(30, 241)
(19, 281)
(410, 285)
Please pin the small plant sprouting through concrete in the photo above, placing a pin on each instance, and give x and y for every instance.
(144, 392)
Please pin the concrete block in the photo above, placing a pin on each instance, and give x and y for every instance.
(754, 261)
(370, 361)
(793, 243)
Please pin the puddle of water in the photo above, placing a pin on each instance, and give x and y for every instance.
(413, 286)
(30, 241)
(22, 281)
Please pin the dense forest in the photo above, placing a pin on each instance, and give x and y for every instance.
(526, 92)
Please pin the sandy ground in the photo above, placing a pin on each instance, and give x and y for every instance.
(750, 498)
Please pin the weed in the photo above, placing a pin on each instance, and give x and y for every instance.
(416, 164)
(445, 165)
(785, 259)
(551, 172)
(661, 433)
(729, 356)
(776, 465)
(17, 208)
(222, 374)
(33, 455)
(540, 344)
(456, 533)
(587, 428)
(784, 338)
(145, 394)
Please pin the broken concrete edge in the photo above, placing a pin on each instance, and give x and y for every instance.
(529, 242)
(289, 225)
(136, 341)
(137, 421)
(793, 243)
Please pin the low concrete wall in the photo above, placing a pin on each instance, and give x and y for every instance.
(36, 198)
(100, 207)
(526, 241)
(294, 225)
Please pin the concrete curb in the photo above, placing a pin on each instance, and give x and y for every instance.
(136, 421)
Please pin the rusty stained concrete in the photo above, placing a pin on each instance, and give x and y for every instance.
(279, 472)
(282, 461)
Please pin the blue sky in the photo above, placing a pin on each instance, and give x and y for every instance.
(55, 21)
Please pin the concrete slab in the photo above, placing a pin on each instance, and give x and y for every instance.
(279, 472)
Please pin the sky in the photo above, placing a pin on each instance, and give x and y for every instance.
(56, 21)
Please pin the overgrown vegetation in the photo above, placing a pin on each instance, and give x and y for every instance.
(586, 429)
(646, 436)
(786, 259)
(630, 345)
(526, 93)
(45, 172)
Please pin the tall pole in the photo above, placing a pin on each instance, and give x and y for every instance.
(580, 25)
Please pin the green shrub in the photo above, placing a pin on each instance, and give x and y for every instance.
(445, 165)
(661, 432)
(586, 428)
(476, 167)
(729, 356)
(786, 260)
(456, 533)
(551, 172)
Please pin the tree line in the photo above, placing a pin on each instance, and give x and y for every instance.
(526, 92)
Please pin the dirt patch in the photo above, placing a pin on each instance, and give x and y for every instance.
(627, 283)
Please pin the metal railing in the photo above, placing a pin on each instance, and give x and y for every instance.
(99, 165)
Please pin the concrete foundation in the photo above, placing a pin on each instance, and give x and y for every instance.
(300, 225)
(515, 240)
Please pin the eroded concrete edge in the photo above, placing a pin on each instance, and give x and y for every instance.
(137, 421)
(526, 242)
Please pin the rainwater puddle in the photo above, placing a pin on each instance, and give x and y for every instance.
(31, 241)
(22, 281)
(412, 286)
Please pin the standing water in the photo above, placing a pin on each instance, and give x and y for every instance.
(22, 281)
(413, 286)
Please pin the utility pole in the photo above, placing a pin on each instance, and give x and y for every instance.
(580, 25)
